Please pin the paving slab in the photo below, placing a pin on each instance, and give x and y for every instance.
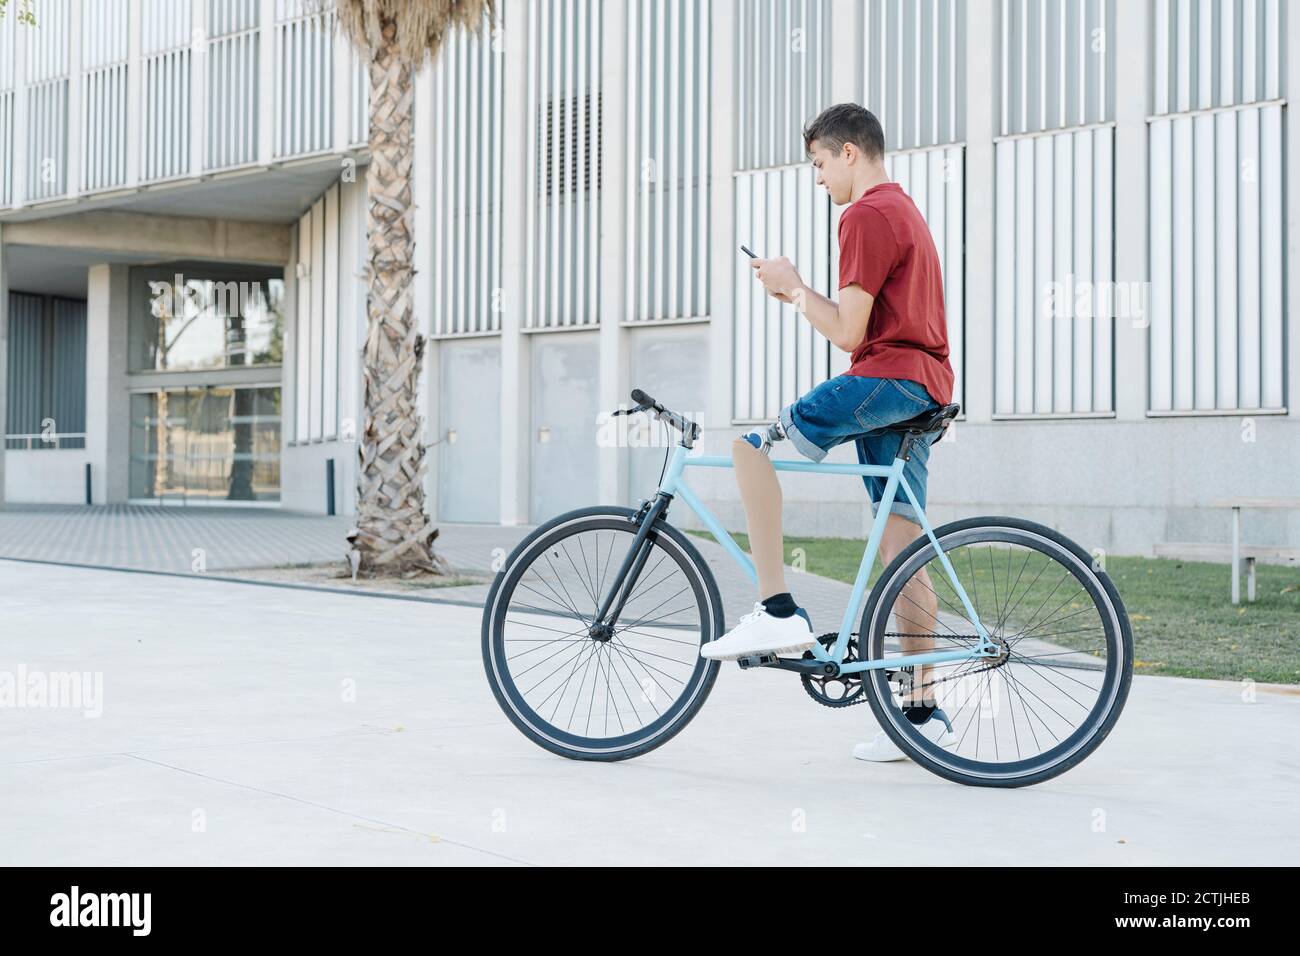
(245, 724)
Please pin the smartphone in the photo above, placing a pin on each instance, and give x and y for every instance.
(746, 251)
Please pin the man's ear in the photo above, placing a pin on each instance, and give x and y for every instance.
(850, 152)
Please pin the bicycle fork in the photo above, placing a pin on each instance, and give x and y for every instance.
(630, 571)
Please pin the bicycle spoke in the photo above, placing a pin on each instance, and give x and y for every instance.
(585, 584)
(1050, 630)
(599, 683)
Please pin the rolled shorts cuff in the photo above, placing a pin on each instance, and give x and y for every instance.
(799, 440)
(899, 507)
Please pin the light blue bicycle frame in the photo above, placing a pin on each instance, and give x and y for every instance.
(674, 484)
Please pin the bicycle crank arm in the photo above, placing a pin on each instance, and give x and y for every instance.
(813, 667)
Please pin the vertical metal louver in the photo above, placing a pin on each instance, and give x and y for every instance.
(778, 356)
(165, 51)
(782, 80)
(913, 79)
(1057, 64)
(935, 178)
(914, 70)
(315, 328)
(468, 89)
(786, 213)
(563, 224)
(7, 107)
(103, 94)
(1217, 241)
(304, 106)
(1218, 258)
(782, 77)
(668, 159)
(1055, 299)
(1208, 53)
(233, 94)
(26, 367)
(46, 388)
(47, 102)
(359, 123)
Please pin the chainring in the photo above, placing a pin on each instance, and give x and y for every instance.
(842, 691)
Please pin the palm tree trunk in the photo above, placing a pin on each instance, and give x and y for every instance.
(393, 534)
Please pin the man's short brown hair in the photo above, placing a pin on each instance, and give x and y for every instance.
(846, 123)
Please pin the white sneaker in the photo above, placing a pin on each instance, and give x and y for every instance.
(937, 729)
(761, 633)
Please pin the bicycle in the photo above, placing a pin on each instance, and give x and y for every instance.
(539, 636)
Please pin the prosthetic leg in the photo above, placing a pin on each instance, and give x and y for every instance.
(761, 493)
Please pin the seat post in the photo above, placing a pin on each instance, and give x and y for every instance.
(905, 449)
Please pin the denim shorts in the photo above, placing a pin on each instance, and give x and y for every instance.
(854, 407)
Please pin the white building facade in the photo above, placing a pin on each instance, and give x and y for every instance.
(1109, 185)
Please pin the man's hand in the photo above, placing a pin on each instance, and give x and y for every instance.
(778, 276)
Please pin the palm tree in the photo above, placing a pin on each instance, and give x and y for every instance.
(393, 535)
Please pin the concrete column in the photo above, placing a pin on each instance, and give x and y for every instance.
(982, 99)
(846, 87)
(1291, 55)
(422, 176)
(72, 159)
(198, 86)
(266, 65)
(108, 404)
(289, 355)
(20, 126)
(1131, 44)
(345, 61)
(4, 357)
(134, 91)
(615, 360)
(353, 321)
(516, 413)
(846, 48)
(722, 219)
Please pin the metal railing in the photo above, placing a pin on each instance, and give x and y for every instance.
(42, 441)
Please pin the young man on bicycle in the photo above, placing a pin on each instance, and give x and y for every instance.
(890, 317)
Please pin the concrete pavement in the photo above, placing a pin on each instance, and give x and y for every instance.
(247, 724)
(228, 540)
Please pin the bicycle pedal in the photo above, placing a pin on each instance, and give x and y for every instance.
(756, 660)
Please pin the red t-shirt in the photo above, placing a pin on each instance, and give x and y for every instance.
(886, 248)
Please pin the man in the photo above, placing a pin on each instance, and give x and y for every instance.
(890, 316)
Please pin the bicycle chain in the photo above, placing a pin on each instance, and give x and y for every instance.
(978, 670)
(855, 693)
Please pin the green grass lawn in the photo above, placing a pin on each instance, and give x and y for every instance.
(1183, 620)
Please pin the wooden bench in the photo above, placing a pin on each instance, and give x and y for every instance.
(1252, 552)
(1248, 553)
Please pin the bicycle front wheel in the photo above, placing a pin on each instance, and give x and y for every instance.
(1065, 652)
(601, 693)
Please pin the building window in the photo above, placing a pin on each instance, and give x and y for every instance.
(188, 317)
(47, 373)
(206, 444)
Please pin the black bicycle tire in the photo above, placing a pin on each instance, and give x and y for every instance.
(884, 711)
(512, 569)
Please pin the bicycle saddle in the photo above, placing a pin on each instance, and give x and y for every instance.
(936, 419)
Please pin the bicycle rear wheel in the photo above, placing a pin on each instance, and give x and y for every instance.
(617, 693)
(1066, 651)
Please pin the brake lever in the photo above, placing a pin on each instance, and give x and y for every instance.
(632, 411)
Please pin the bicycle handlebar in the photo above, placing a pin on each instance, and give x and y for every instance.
(690, 431)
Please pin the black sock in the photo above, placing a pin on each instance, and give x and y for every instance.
(919, 713)
(780, 605)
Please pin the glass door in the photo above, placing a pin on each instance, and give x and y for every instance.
(206, 444)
